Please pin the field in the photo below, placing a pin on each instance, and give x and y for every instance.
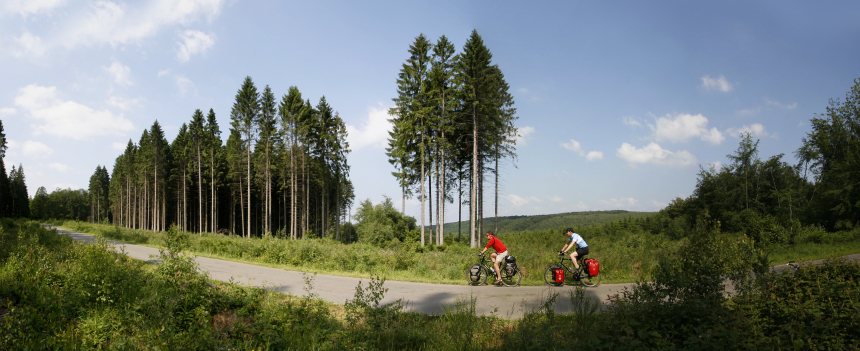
(627, 253)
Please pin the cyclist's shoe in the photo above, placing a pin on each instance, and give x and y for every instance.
(498, 282)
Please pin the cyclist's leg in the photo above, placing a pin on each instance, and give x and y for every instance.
(573, 257)
(497, 262)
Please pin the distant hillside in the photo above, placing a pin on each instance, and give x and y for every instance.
(557, 221)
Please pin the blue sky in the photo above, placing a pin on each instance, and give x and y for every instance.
(619, 103)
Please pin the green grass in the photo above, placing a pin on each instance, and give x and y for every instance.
(625, 255)
(815, 243)
(56, 294)
(626, 252)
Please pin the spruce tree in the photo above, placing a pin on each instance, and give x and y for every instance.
(5, 190)
(243, 119)
(268, 137)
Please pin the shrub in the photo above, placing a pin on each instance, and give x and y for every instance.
(381, 225)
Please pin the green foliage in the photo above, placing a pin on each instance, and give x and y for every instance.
(815, 308)
(831, 151)
(382, 225)
(58, 295)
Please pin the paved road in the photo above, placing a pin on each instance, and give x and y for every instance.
(505, 302)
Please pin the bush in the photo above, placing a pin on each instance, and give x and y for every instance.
(382, 225)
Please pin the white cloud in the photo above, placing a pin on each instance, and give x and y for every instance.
(594, 155)
(621, 203)
(716, 165)
(116, 24)
(521, 201)
(118, 146)
(120, 73)
(654, 154)
(750, 111)
(32, 148)
(755, 129)
(781, 105)
(716, 83)
(193, 42)
(683, 127)
(163, 72)
(28, 45)
(373, 132)
(574, 146)
(122, 103)
(66, 118)
(184, 84)
(523, 133)
(59, 167)
(29, 7)
(556, 199)
(632, 122)
(7, 111)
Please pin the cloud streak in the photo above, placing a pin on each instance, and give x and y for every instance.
(192, 43)
(52, 115)
(720, 83)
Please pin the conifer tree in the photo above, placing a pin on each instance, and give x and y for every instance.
(409, 139)
(268, 138)
(214, 154)
(5, 190)
(243, 119)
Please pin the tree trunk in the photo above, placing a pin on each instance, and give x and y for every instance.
(249, 186)
(496, 198)
(423, 195)
(473, 209)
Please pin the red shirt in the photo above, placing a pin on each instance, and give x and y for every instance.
(496, 244)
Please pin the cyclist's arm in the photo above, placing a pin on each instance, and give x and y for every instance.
(566, 247)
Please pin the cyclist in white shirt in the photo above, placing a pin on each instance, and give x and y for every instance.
(574, 240)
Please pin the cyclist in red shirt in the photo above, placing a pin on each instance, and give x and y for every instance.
(498, 257)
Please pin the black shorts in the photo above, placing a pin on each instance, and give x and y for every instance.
(581, 252)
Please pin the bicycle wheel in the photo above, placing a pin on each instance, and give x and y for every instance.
(483, 273)
(549, 275)
(512, 280)
(589, 281)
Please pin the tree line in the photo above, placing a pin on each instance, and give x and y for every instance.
(771, 199)
(14, 200)
(453, 121)
(283, 170)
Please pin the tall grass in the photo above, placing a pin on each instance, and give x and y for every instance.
(55, 294)
(625, 252)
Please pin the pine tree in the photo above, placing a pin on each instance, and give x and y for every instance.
(98, 192)
(214, 154)
(443, 92)
(5, 189)
(408, 139)
(243, 119)
(293, 111)
(268, 137)
(182, 153)
(197, 132)
(487, 108)
(20, 204)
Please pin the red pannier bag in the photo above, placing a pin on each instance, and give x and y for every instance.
(592, 267)
(558, 275)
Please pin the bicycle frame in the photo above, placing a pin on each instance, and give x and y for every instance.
(572, 274)
(509, 280)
